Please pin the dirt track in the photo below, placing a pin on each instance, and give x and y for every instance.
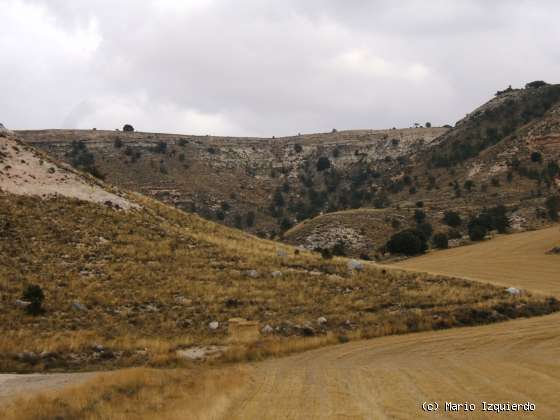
(391, 377)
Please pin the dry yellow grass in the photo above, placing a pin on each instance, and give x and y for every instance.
(519, 260)
(153, 279)
(137, 394)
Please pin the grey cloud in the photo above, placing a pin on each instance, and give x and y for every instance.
(263, 67)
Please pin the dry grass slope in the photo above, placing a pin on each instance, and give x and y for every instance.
(153, 279)
(520, 260)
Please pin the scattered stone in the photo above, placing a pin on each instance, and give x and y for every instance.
(214, 325)
(513, 291)
(281, 253)
(28, 357)
(321, 320)
(267, 329)
(181, 300)
(79, 306)
(252, 273)
(355, 265)
(315, 273)
(22, 303)
(201, 353)
(277, 274)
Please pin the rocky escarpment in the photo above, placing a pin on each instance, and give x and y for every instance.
(252, 183)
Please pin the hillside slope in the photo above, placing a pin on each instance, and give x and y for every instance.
(506, 152)
(249, 183)
(129, 287)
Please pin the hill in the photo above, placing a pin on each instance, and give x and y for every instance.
(261, 185)
(130, 281)
(510, 362)
(506, 152)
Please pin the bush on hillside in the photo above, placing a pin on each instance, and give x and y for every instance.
(536, 157)
(323, 163)
(552, 204)
(441, 241)
(477, 232)
(128, 128)
(419, 216)
(536, 84)
(35, 296)
(451, 218)
(407, 242)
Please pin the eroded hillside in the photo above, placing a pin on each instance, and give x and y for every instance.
(139, 286)
(261, 185)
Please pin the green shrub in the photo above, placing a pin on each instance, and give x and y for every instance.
(408, 242)
(536, 157)
(477, 232)
(34, 294)
(552, 204)
(440, 240)
(451, 218)
(419, 216)
(323, 163)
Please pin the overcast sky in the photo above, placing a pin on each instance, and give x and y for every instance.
(264, 67)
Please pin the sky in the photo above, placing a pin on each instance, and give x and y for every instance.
(266, 67)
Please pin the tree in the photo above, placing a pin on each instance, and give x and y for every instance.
(451, 218)
(250, 219)
(441, 241)
(536, 84)
(279, 199)
(118, 143)
(428, 125)
(408, 242)
(285, 224)
(552, 204)
(477, 232)
(298, 148)
(536, 157)
(323, 163)
(160, 147)
(425, 231)
(419, 216)
(128, 128)
(34, 294)
(468, 185)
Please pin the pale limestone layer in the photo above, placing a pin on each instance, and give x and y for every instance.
(23, 171)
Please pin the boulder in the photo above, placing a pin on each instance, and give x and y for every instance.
(276, 274)
(513, 291)
(22, 303)
(281, 253)
(355, 265)
(214, 325)
(79, 306)
(321, 320)
(252, 273)
(267, 329)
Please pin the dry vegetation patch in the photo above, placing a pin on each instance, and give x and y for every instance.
(136, 394)
(132, 288)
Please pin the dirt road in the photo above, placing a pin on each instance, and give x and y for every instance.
(21, 385)
(390, 377)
